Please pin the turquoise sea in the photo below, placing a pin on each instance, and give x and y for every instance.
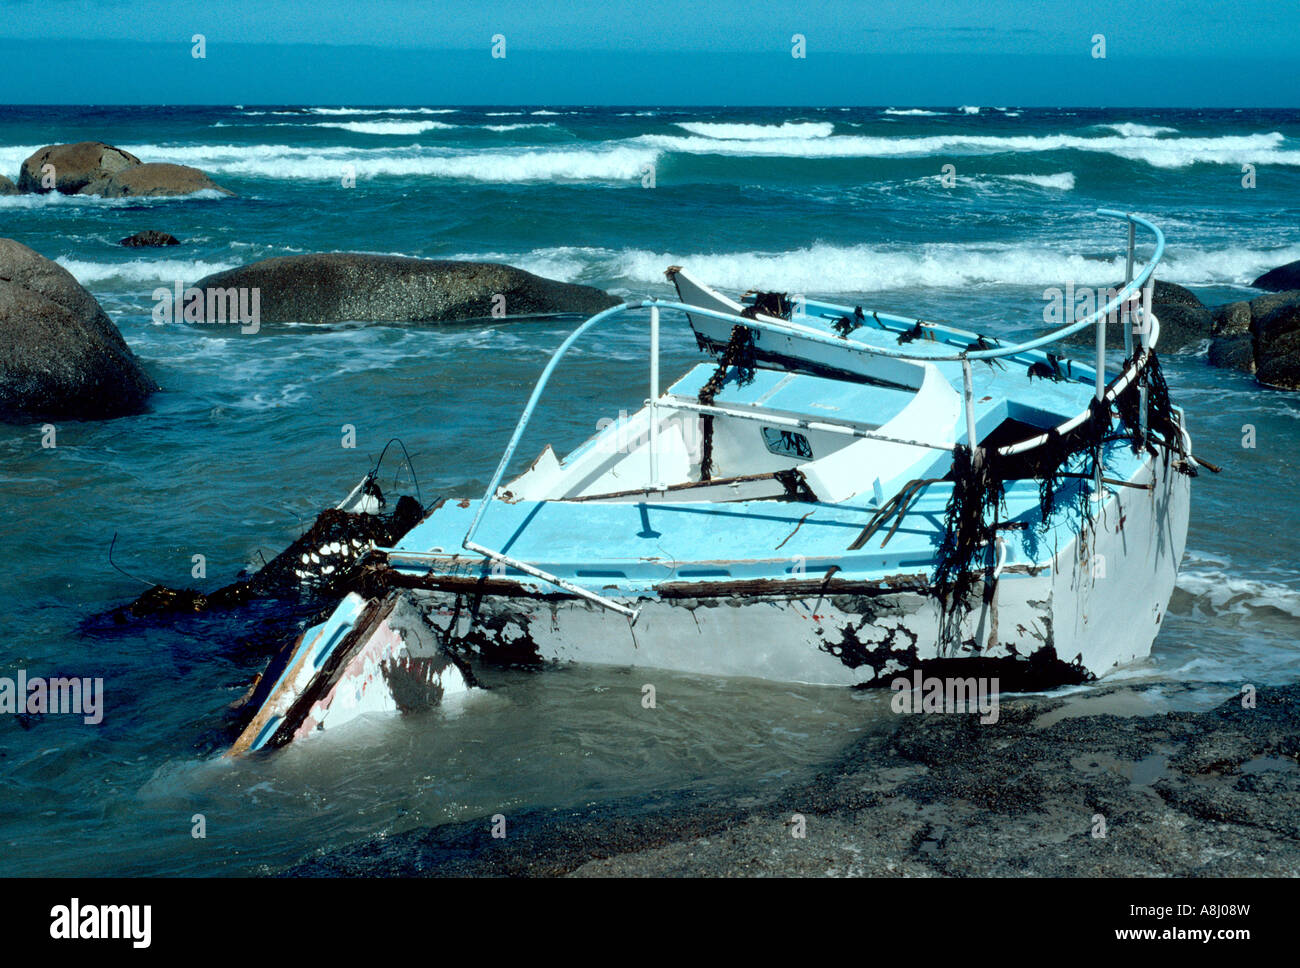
(242, 447)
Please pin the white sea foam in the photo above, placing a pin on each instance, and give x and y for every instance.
(1128, 129)
(1235, 265)
(378, 111)
(517, 127)
(1062, 180)
(827, 268)
(12, 156)
(566, 263)
(36, 202)
(754, 132)
(1221, 592)
(386, 127)
(864, 268)
(1158, 152)
(163, 272)
(914, 113)
(617, 161)
(820, 267)
(969, 109)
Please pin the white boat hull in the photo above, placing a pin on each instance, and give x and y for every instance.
(1098, 605)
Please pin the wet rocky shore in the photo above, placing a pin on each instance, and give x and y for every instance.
(1081, 785)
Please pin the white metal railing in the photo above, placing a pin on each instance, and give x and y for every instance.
(829, 426)
(1122, 301)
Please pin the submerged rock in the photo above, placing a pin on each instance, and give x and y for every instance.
(7, 187)
(332, 287)
(1280, 279)
(60, 354)
(149, 237)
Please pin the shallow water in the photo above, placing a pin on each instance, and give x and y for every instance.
(244, 445)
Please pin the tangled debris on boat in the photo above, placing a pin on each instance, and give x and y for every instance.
(323, 562)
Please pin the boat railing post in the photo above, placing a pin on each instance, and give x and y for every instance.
(1145, 333)
(968, 394)
(1101, 357)
(1097, 494)
(531, 405)
(654, 399)
(1126, 319)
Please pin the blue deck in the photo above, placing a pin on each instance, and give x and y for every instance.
(629, 547)
(808, 396)
(1002, 388)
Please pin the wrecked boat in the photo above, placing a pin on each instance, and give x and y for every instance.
(832, 496)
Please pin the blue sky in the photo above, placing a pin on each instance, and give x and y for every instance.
(1028, 52)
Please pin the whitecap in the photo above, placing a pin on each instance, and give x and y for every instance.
(386, 127)
(1063, 181)
(749, 132)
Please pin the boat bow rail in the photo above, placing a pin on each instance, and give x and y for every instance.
(1132, 300)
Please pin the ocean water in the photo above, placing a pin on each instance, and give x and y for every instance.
(243, 445)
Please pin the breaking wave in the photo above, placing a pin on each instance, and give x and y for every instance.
(755, 132)
(1063, 180)
(386, 127)
(375, 111)
(1220, 592)
(33, 201)
(163, 272)
(617, 162)
(1157, 152)
(827, 268)
(516, 127)
(1128, 129)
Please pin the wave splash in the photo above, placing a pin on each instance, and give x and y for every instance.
(827, 268)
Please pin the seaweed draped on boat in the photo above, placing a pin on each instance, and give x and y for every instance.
(774, 304)
(974, 509)
(740, 354)
(1163, 426)
(979, 477)
(323, 562)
